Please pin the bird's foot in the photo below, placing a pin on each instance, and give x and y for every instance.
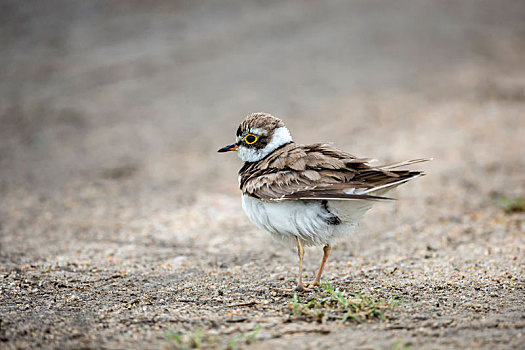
(312, 284)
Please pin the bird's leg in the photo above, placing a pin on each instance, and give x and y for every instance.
(326, 252)
(300, 285)
(300, 252)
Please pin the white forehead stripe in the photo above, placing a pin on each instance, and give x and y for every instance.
(258, 131)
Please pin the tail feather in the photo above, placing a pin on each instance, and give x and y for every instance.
(388, 186)
(404, 163)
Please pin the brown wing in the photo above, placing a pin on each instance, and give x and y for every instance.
(317, 171)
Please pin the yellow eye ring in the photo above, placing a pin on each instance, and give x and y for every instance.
(250, 139)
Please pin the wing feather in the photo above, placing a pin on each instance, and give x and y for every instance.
(319, 172)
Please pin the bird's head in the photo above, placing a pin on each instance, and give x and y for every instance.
(258, 135)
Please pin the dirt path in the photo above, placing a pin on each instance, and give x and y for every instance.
(121, 227)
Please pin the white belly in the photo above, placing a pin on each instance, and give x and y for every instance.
(310, 220)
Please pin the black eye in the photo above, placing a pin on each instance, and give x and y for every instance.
(250, 139)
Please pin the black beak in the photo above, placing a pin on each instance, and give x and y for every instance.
(232, 147)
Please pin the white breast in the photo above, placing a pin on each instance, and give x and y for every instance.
(307, 219)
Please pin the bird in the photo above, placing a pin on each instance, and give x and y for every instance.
(307, 195)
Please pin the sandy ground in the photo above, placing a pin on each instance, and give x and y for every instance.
(120, 223)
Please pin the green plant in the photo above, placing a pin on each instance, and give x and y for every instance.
(401, 346)
(308, 309)
(512, 205)
(198, 339)
(185, 341)
(338, 303)
(247, 338)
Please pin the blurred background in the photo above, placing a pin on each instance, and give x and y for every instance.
(111, 112)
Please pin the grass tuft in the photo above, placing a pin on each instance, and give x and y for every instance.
(243, 338)
(199, 339)
(401, 346)
(185, 341)
(512, 205)
(339, 304)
